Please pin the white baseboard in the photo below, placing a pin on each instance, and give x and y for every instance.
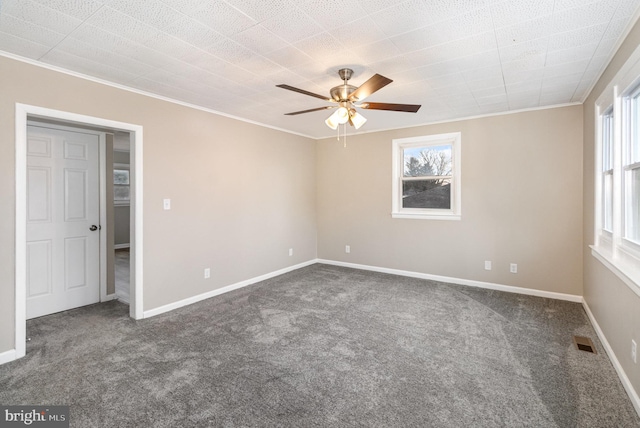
(121, 246)
(108, 297)
(468, 282)
(218, 291)
(122, 297)
(633, 395)
(8, 356)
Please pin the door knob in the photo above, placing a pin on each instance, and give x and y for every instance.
(93, 228)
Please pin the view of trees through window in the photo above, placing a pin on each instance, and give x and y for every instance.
(121, 190)
(426, 179)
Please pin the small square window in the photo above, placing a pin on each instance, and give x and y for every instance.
(426, 173)
(121, 183)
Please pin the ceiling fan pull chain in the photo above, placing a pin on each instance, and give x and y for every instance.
(345, 135)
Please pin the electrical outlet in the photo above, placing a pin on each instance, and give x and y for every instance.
(347, 249)
(166, 204)
(634, 352)
(487, 265)
(513, 268)
(207, 273)
(290, 252)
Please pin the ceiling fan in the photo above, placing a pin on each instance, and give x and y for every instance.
(345, 96)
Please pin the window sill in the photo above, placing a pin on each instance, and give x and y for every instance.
(624, 267)
(121, 203)
(419, 216)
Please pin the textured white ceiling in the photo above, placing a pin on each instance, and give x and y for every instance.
(458, 58)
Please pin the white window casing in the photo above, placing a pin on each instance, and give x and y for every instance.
(449, 143)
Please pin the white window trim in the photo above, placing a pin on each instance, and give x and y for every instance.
(455, 213)
(619, 255)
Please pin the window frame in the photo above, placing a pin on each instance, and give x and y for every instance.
(398, 145)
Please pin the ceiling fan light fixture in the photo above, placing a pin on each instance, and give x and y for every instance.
(346, 96)
(356, 118)
(342, 115)
(339, 117)
(331, 123)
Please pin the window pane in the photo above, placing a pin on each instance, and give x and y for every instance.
(426, 194)
(607, 139)
(120, 176)
(634, 143)
(121, 193)
(427, 161)
(632, 202)
(608, 202)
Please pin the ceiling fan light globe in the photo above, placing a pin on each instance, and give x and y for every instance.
(357, 119)
(341, 115)
(331, 123)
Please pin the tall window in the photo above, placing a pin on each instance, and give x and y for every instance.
(426, 175)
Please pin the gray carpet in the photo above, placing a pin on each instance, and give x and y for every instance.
(325, 346)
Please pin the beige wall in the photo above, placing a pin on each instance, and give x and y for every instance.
(615, 307)
(121, 227)
(242, 195)
(521, 203)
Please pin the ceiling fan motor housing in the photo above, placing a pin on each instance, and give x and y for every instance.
(342, 92)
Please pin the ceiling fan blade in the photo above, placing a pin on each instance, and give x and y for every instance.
(410, 108)
(309, 111)
(302, 91)
(372, 85)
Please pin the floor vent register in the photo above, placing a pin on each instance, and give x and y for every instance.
(584, 344)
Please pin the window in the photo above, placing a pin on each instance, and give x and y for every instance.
(121, 189)
(426, 177)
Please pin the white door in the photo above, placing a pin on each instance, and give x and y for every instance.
(63, 214)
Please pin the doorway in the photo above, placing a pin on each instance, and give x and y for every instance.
(120, 213)
(25, 113)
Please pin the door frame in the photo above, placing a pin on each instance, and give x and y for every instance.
(23, 113)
